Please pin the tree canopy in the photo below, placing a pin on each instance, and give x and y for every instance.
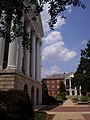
(13, 10)
(82, 75)
(62, 87)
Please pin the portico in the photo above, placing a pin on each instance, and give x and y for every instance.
(22, 67)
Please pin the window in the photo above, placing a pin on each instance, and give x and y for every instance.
(57, 81)
(52, 92)
(52, 81)
(57, 86)
(47, 82)
(47, 86)
(52, 86)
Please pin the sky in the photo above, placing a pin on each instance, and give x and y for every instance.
(61, 47)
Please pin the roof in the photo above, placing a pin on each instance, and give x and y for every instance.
(64, 75)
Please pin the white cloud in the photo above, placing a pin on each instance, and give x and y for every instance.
(49, 71)
(60, 22)
(52, 37)
(46, 17)
(56, 48)
(69, 8)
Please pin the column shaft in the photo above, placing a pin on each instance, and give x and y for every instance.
(20, 49)
(20, 55)
(33, 56)
(13, 49)
(38, 61)
(27, 54)
(13, 54)
(70, 82)
(2, 40)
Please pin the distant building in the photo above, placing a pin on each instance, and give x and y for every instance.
(53, 83)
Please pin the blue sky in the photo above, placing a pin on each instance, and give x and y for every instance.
(61, 47)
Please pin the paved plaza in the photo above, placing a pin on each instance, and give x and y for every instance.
(69, 111)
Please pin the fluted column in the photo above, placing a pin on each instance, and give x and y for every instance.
(33, 55)
(13, 54)
(2, 40)
(38, 60)
(20, 49)
(70, 82)
(27, 53)
(20, 54)
(13, 50)
(65, 82)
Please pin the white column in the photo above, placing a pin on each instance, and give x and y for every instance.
(20, 50)
(75, 91)
(70, 86)
(65, 82)
(2, 45)
(27, 53)
(38, 61)
(70, 90)
(13, 54)
(20, 55)
(26, 61)
(2, 40)
(33, 55)
(70, 82)
(80, 90)
(13, 50)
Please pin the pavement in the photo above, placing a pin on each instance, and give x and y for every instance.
(70, 111)
(67, 111)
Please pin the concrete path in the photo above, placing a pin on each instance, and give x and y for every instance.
(68, 115)
(68, 103)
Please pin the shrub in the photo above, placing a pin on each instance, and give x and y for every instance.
(62, 95)
(75, 99)
(84, 98)
(15, 105)
(40, 115)
(52, 100)
(60, 101)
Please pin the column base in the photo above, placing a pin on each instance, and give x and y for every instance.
(1, 68)
(11, 67)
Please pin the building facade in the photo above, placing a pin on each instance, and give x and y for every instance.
(53, 84)
(19, 68)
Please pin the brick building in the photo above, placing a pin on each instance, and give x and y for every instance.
(53, 84)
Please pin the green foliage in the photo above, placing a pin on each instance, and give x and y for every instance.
(15, 105)
(62, 87)
(60, 101)
(62, 91)
(82, 75)
(62, 95)
(74, 99)
(51, 100)
(40, 115)
(44, 93)
(84, 98)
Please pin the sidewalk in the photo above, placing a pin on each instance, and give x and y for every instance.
(68, 103)
(68, 115)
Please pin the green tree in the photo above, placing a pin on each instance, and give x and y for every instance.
(62, 87)
(82, 75)
(13, 10)
(62, 91)
(44, 93)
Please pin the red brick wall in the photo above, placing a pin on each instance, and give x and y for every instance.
(52, 83)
